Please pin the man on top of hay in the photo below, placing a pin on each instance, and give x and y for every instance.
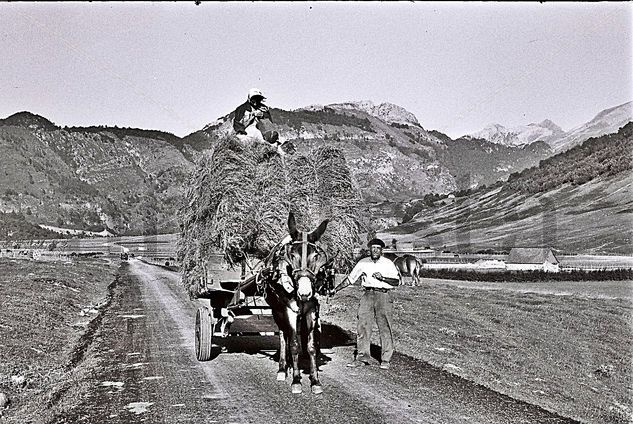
(378, 277)
(253, 121)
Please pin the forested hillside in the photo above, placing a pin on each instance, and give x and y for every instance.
(14, 226)
(602, 156)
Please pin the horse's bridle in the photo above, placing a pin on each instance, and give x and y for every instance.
(304, 271)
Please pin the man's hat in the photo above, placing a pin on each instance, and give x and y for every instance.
(254, 92)
(376, 242)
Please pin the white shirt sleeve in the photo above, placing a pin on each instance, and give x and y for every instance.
(356, 272)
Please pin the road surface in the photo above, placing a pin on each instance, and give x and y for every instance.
(147, 372)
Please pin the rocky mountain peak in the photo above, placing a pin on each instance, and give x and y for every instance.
(550, 125)
(388, 112)
(518, 136)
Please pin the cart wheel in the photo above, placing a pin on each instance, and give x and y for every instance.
(204, 333)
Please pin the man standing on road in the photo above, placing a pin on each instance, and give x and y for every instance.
(378, 277)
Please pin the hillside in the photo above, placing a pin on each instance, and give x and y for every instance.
(130, 180)
(602, 156)
(477, 162)
(605, 122)
(14, 226)
(584, 191)
(392, 156)
(89, 178)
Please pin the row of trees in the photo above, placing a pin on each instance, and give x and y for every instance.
(529, 276)
(121, 133)
(296, 119)
(14, 226)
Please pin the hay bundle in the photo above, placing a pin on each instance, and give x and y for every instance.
(238, 199)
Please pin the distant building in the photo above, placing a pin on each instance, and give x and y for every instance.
(532, 259)
(490, 264)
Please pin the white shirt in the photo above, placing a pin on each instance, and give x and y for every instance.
(366, 268)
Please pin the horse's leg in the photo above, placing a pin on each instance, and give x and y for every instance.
(414, 272)
(279, 316)
(417, 277)
(312, 322)
(283, 353)
(294, 350)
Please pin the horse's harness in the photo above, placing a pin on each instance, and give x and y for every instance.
(304, 270)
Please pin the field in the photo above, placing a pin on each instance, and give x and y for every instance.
(567, 349)
(564, 346)
(47, 309)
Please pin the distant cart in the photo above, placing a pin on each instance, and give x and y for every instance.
(233, 304)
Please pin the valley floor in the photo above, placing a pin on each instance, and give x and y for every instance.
(563, 346)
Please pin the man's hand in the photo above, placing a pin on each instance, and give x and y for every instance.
(377, 276)
(258, 113)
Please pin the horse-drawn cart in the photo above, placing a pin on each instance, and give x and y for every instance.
(232, 303)
(235, 202)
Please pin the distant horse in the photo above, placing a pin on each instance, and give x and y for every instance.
(408, 265)
(298, 311)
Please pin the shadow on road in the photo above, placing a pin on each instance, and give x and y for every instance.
(331, 337)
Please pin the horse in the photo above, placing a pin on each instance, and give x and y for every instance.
(298, 312)
(408, 265)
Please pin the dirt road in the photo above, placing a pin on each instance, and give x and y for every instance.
(147, 372)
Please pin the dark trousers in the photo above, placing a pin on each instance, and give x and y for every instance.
(266, 128)
(375, 306)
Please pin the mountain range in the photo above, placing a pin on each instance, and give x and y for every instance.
(576, 201)
(130, 180)
(606, 122)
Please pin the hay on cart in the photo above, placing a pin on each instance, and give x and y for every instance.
(238, 198)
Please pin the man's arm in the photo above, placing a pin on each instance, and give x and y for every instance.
(351, 278)
(266, 113)
(389, 280)
(239, 121)
(390, 274)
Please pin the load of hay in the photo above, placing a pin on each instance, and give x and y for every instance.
(238, 198)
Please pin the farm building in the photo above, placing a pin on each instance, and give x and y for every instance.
(491, 264)
(532, 259)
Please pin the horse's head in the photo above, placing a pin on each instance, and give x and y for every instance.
(305, 258)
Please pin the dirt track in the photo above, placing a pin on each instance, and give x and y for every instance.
(146, 371)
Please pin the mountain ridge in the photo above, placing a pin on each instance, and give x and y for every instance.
(584, 190)
(130, 180)
(605, 121)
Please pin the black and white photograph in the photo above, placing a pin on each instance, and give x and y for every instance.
(316, 212)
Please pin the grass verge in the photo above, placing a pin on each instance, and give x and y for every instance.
(48, 311)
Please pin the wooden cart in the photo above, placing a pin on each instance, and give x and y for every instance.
(232, 304)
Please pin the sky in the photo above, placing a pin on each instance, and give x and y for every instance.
(177, 66)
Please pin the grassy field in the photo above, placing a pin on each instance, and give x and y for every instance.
(567, 353)
(566, 348)
(47, 310)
